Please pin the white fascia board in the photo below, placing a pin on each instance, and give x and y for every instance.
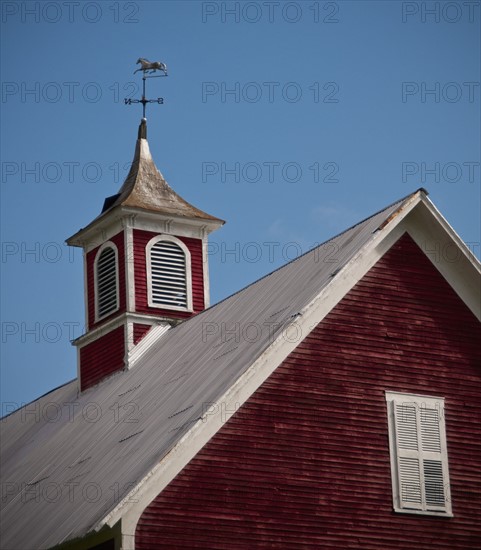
(109, 225)
(152, 336)
(131, 507)
(205, 271)
(99, 331)
(448, 254)
(159, 222)
(452, 233)
(123, 318)
(97, 232)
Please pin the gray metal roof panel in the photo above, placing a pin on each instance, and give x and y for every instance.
(67, 465)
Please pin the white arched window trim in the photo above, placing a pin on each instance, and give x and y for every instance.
(188, 272)
(113, 246)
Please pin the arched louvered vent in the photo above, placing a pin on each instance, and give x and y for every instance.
(168, 275)
(106, 282)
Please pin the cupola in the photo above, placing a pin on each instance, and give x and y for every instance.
(145, 262)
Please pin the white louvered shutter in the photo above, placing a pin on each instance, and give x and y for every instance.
(432, 458)
(407, 443)
(168, 275)
(421, 457)
(106, 282)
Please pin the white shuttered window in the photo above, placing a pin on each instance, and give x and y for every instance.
(106, 281)
(169, 276)
(419, 461)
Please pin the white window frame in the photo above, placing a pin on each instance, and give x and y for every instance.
(188, 273)
(113, 246)
(417, 403)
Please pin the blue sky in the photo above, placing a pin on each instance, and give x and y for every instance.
(290, 120)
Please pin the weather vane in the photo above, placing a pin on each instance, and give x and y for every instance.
(146, 67)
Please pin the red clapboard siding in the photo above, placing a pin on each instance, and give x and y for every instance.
(304, 463)
(102, 357)
(140, 331)
(118, 240)
(141, 238)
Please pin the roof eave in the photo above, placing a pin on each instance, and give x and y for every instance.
(84, 235)
(212, 223)
(87, 234)
(473, 260)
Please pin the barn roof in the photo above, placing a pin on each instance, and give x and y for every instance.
(70, 460)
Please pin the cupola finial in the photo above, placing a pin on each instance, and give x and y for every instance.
(147, 66)
(142, 129)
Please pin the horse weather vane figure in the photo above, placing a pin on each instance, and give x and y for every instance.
(148, 67)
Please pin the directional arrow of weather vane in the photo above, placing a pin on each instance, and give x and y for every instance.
(147, 67)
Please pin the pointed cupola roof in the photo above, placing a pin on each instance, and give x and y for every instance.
(146, 188)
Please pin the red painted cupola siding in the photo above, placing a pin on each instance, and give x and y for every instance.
(145, 262)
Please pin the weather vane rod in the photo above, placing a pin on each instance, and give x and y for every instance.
(146, 67)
